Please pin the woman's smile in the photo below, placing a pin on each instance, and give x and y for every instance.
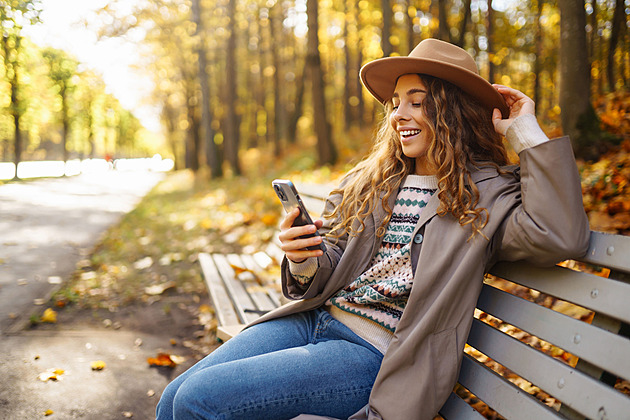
(407, 134)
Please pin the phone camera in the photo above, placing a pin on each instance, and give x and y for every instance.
(280, 193)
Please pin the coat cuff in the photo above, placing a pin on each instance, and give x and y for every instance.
(524, 133)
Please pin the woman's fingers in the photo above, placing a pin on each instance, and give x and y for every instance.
(292, 241)
(288, 220)
(518, 103)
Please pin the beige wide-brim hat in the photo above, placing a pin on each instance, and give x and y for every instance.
(438, 59)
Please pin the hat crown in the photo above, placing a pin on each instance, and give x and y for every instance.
(444, 52)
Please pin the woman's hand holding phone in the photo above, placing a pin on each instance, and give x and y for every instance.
(290, 238)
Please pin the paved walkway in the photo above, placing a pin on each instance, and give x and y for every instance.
(46, 227)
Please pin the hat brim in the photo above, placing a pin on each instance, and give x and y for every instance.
(379, 78)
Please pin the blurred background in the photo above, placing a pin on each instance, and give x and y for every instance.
(202, 82)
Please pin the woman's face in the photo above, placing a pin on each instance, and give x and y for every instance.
(407, 119)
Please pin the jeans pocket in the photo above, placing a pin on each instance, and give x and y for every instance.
(444, 362)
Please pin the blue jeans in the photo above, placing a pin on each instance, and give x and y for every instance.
(306, 363)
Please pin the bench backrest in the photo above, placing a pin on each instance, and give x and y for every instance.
(546, 339)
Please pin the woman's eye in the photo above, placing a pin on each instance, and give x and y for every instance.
(417, 104)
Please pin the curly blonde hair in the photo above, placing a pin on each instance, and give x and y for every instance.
(462, 135)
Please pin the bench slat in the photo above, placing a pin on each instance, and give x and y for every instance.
(225, 313)
(609, 250)
(318, 191)
(252, 263)
(501, 395)
(253, 289)
(574, 388)
(456, 408)
(273, 251)
(600, 294)
(239, 296)
(314, 206)
(600, 347)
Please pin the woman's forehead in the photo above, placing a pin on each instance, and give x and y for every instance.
(406, 82)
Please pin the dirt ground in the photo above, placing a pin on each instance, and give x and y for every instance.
(124, 339)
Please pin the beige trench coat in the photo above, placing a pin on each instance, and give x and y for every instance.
(536, 214)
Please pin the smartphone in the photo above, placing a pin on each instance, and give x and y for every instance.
(290, 199)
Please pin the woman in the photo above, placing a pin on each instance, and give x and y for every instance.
(380, 319)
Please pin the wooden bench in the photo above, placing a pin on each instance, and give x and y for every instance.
(520, 355)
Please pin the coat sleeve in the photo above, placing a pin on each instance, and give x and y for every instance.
(294, 289)
(548, 224)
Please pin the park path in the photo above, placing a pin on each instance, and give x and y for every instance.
(46, 227)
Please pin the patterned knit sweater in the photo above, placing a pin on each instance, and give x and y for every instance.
(373, 303)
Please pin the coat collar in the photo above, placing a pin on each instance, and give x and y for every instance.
(478, 174)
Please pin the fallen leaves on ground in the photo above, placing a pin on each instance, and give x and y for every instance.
(98, 365)
(606, 191)
(48, 413)
(49, 316)
(158, 289)
(165, 359)
(51, 375)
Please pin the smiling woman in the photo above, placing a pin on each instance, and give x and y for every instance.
(385, 310)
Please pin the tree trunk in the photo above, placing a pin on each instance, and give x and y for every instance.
(325, 147)
(619, 20)
(169, 118)
(298, 102)
(211, 152)
(278, 114)
(463, 24)
(232, 135)
(193, 137)
(349, 82)
(490, 36)
(386, 44)
(574, 88)
(539, 51)
(411, 36)
(65, 121)
(360, 103)
(11, 70)
(443, 31)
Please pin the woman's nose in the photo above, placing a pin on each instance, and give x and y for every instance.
(399, 114)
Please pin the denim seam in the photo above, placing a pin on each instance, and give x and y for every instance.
(289, 400)
(322, 325)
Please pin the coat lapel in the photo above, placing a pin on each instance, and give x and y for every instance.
(477, 174)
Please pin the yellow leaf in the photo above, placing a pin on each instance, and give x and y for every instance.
(239, 270)
(98, 365)
(162, 359)
(48, 413)
(205, 309)
(51, 375)
(49, 316)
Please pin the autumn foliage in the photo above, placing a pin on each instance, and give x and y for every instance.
(606, 183)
